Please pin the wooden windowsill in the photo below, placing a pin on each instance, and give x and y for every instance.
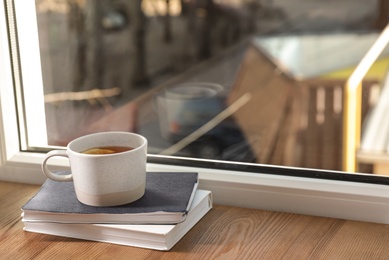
(225, 233)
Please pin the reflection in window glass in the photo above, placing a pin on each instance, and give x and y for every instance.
(252, 81)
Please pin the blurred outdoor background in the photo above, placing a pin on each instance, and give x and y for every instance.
(239, 80)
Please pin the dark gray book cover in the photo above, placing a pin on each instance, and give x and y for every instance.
(167, 199)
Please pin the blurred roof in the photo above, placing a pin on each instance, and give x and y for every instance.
(308, 56)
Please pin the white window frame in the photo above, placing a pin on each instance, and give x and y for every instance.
(311, 196)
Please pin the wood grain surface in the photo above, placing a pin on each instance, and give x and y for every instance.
(224, 233)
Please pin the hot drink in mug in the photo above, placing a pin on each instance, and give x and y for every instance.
(108, 169)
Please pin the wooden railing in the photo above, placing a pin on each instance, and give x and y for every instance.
(310, 135)
(321, 125)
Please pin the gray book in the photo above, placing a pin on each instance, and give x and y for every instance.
(167, 199)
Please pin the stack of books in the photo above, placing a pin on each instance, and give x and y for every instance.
(171, 206)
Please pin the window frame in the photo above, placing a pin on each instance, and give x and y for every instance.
(313, 192)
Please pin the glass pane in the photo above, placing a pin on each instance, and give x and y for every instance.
(248, 81)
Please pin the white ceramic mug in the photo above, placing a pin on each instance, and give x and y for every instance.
(104, 179)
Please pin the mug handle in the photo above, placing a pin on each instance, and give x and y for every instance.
(51, 175)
